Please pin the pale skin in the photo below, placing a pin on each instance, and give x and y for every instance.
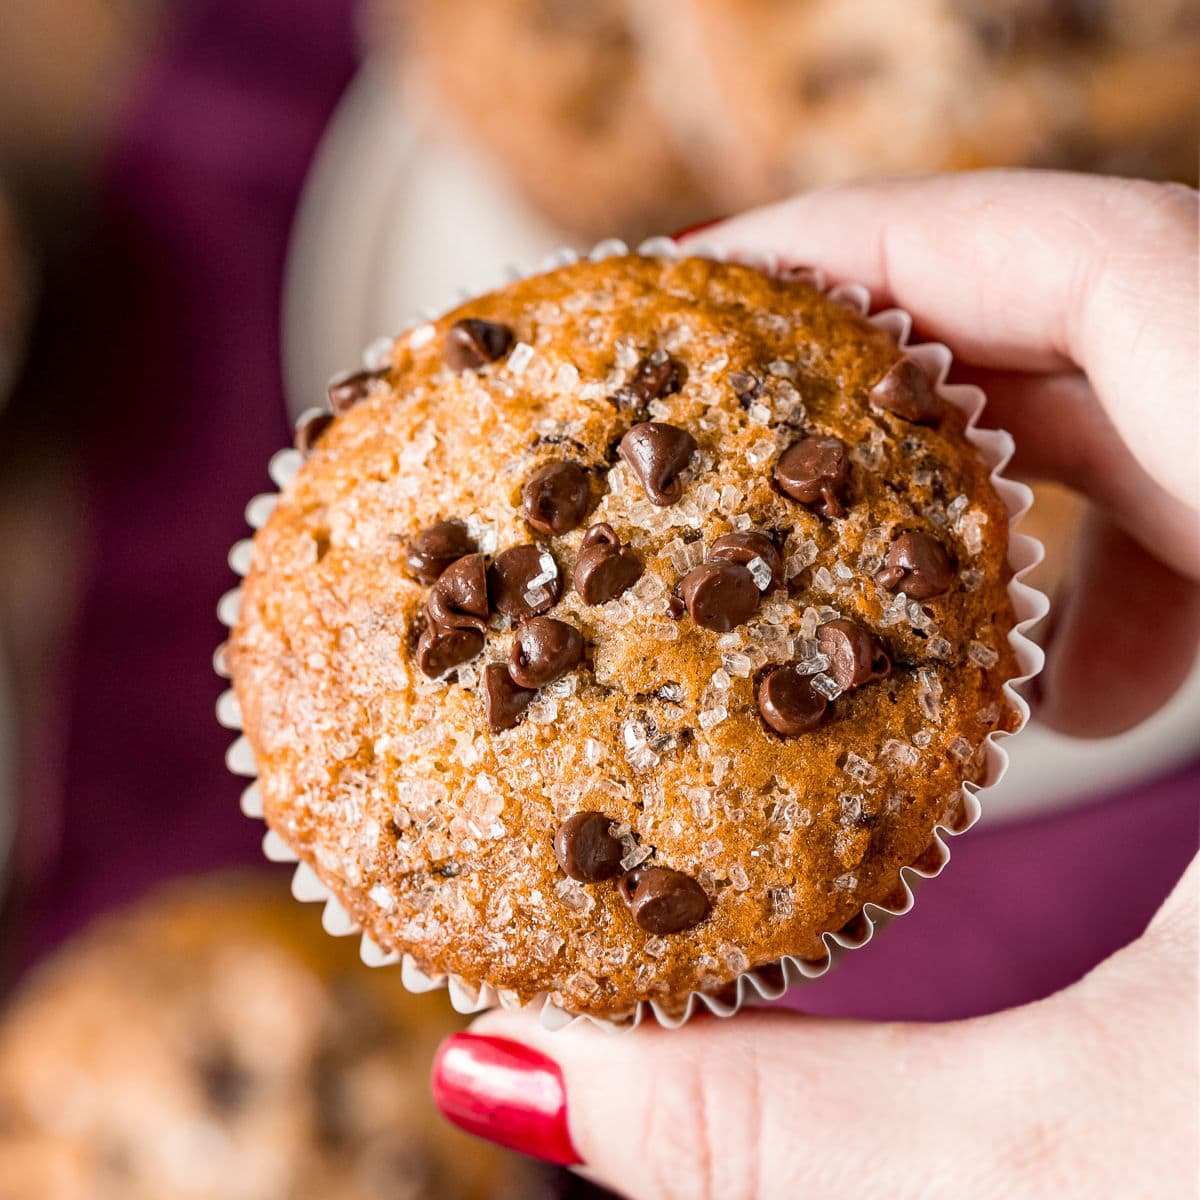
(1073, 300)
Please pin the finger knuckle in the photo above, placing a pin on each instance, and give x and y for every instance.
(1163, 209)
(701, 1140)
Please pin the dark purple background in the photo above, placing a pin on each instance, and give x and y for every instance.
(170, 357)
(168, 346)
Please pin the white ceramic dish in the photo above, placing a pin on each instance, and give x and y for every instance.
(397, 211)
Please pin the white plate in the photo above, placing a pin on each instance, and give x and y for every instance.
(397, 214)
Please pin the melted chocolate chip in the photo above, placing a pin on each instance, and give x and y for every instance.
(586, 850)
(440, 648)
(436, 548)
(906, 392)
(744, 548)
(504, 700)
(310, 429)
(600, 534)
(544, 650)
(917, 565)
(508, 581)
(459, 599)
(656, 453)
(348, 390)
(656, 376)
(788, 703)
(472, 343)
(719, 595)
(662, 900)
(555, 497)
(814, 471)
(604, 569)
(855, 655)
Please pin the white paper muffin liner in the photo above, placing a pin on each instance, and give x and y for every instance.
(995, 447)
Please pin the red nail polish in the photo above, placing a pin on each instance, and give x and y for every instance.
(699, 227)
(507, 1093)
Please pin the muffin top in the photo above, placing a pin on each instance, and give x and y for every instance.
(214, 1044)
(634, 627)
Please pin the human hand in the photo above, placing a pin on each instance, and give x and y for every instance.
(1092, 1093)
(1073, 301)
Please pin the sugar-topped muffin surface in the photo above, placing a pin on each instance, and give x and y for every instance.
(633, 627)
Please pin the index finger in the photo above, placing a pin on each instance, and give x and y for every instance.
(1026, 271)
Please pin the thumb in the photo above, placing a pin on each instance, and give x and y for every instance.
(1074, 1095)
(736, 1110)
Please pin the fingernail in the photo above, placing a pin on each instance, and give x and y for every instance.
(507, 1093)
(699, 227)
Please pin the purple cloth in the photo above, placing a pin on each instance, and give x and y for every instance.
(177, 363)
(173, 359)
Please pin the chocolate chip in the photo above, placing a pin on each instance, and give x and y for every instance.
(720, 595)
(906, 392)
(440, 648)
(310, 429)
(509, 578)
(435, 548)
(604, 569)
(656, 376)
(814, 471)
(744, 548)
(662, 900)
(504, 700)
(788, 703)
(746, 387)
(227, 1084)
(544, 650)
(555, 497)
(831, 75)
(459, 599)
(855, 655)
(1007, 29)
(600, 534)
(472, 343)
(656, 453)
(917, 565)
(586, 850)
(348, 390)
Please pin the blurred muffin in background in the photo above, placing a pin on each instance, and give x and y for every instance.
(629, 116)
(214, 1043)
(788, 94)
(558, 92)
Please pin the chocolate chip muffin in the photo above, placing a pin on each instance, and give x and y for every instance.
(643, 115)
(797, 95)
(578, 127)
(214, 1044)
(633, 627)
